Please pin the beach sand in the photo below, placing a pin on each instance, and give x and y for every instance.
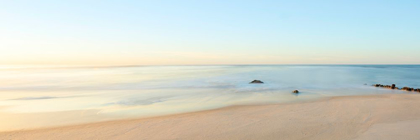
(381, 117)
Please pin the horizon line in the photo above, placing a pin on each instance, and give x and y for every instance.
(122, 66)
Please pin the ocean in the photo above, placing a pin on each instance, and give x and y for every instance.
(33, 97)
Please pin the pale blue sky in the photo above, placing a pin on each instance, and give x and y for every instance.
(173, 32)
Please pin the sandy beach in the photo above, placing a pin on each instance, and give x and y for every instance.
(390, 116)
(209, 70)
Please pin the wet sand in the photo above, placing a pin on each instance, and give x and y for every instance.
(390, 116)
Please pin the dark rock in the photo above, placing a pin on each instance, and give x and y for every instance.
(377, 85)
(394, 87)
(256, 82)
(296, 91)
(407, 89)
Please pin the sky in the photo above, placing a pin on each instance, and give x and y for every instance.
(209, 32)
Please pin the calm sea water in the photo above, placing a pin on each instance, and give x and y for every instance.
(32, 97)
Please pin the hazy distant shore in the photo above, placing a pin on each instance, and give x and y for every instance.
(390, 116)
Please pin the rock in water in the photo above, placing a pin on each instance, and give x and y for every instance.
(296, 91)
(407, 89)
(393, 86)
(256, 82)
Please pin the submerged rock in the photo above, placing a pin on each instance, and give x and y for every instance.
(296, 91)
(256, 82)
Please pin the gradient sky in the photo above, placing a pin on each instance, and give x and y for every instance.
(177, 32)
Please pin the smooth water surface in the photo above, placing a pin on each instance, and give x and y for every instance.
(32, 97)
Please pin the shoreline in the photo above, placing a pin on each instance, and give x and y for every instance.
(177, 114)
(338, 117)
